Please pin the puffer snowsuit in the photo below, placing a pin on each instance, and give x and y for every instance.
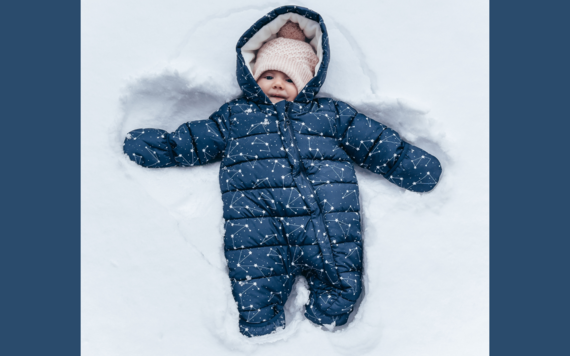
(289, 191)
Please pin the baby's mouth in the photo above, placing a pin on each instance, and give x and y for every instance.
(280, 96)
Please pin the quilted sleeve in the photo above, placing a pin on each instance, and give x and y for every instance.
(193, 143)
(380, 149)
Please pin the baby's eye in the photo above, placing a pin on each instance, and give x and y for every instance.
(268, 77)
(289, 81)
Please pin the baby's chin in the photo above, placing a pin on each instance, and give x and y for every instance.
(275, 99)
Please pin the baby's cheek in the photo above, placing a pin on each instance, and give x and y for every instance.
(294, 92)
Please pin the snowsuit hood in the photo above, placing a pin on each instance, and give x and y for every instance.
(264, 30)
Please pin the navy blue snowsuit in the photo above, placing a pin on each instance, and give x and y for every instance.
(290, 195)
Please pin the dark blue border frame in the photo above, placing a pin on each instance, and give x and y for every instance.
(40, 178)
(530, 122)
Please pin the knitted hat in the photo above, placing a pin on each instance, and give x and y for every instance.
(288, 53)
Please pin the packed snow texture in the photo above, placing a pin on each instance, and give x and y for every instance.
(154, 277)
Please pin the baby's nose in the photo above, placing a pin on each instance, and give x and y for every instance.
(278, 84)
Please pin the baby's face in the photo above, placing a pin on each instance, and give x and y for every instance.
(277, 86)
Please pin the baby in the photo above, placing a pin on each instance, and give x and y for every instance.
(290, 194)
(277, 86)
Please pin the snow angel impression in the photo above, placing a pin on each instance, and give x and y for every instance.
(289, 189)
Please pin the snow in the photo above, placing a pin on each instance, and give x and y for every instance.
(154, 279)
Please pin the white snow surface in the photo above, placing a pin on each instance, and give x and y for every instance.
(154, 277)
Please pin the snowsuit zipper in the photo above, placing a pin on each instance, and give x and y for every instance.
(309, 196)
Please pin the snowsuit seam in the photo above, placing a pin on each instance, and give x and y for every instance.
(318, 185)
(227, 124)
(258, 159)
(259, 188)
(399, 161)
(341, 138)
(281, 245)
(255, 278)
(194, 144)
(348, 300)
(330, 160)
(295, 216)
(285, 158)
(266, 217)
(170, 151)
(255, 134)
(374, 145)
(342, 211)
(220, 129)
(304, 134)
(254, 309)
(344, 242)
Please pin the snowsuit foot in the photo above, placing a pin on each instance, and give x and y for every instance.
(328, 305)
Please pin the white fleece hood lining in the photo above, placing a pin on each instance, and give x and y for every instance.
(311, 28)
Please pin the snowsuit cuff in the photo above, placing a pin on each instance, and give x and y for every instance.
(267, 327)
(315, 315)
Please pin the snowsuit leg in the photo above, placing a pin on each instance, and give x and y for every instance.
(333, 302)
(259, 268)
(328, 302)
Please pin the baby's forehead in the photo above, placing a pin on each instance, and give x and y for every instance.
(274, 72)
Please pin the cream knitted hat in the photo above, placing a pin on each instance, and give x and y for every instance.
(288, 53)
